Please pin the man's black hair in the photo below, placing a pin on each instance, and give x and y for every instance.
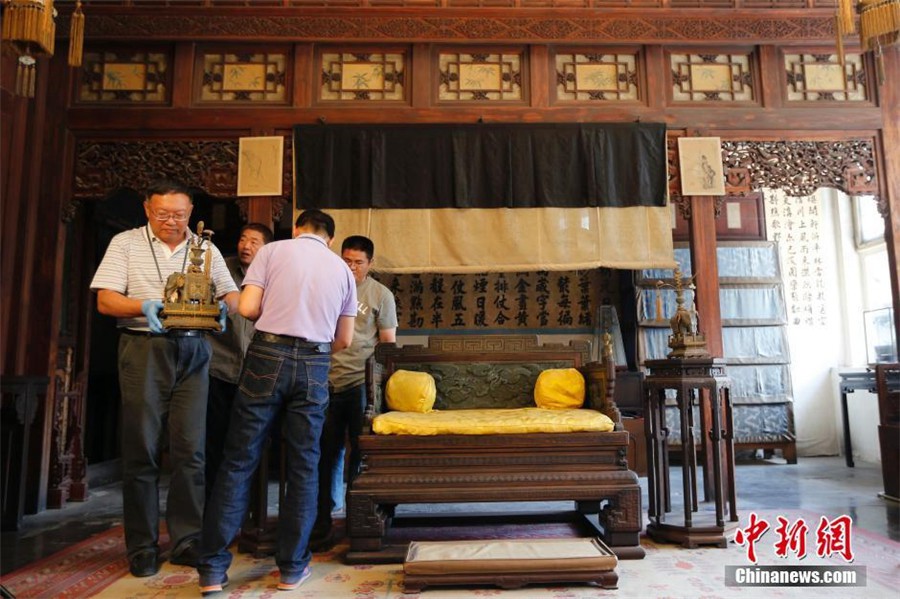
(161, 187)
(318, 220)
(359, 243)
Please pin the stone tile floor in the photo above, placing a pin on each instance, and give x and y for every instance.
(823, 485)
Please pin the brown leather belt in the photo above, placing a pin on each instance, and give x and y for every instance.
(323, 347)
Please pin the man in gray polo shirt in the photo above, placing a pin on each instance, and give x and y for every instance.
(163, 377)
(376, 322)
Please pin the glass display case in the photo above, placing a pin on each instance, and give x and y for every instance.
(754, 336)
(881, 343)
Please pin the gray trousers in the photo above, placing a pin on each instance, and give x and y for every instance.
(164, 384)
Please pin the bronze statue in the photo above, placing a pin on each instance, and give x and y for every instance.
(685, 341)
(189, 298)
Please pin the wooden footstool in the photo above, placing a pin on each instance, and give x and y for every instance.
(509, 563)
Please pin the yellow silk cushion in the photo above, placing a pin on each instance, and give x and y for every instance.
(490, 422)
(559, 389)
(409, 391)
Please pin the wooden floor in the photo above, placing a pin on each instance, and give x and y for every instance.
(820, 485)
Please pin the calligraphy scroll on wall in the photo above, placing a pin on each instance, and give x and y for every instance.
(542, 300)
(795, 223)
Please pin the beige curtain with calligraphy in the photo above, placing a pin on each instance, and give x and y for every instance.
(511, 240)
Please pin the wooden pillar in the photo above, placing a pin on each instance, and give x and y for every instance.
(706, 271)
(259, 210)
(890, 178)
(706, 301)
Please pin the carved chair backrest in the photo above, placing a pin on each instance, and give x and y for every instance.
(490, 371)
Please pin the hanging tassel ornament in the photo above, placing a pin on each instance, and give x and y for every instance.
(844, 24)
(846, 18)
(25, 76)
(840, 42)
(879, 25)
(76, 36)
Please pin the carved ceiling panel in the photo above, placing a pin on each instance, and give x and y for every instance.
(442, 25)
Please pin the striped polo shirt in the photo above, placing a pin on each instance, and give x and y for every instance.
(129, 268)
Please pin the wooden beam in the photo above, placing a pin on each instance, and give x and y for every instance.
(789, 123)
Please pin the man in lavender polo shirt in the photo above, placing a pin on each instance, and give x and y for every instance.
(302, 297)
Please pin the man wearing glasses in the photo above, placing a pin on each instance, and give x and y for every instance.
(162, 375)
(376, 322)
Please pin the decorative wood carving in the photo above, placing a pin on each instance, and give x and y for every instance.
(365, 517)
(797, 167)
(674, 176)
(369, 75)
(801, 167)
(103, 167)
(68, 467)
(247, 75)
(820, 77)
(476, 76)
(737, 181)
(123, 76)
(623, 513)
(596, 75)
(443, 25)
(711, 77)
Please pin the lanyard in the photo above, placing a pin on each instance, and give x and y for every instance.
(155, 261)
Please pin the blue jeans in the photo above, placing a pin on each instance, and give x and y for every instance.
(346, 413)
(274, 377)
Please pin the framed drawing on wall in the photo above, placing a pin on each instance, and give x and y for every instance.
(260, 161)
(702, 173)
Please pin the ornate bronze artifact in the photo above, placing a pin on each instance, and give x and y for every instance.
(190, 297)
(685, 341)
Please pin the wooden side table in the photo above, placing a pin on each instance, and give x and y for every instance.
(850, 382)
(701, 382)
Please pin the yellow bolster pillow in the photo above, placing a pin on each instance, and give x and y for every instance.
(409, 391)
(559, 389)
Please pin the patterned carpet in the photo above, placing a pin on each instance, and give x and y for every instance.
(97, 568)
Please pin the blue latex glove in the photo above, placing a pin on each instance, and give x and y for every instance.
(223, 315)
(151, 309)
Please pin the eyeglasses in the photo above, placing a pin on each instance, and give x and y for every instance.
(178, 217)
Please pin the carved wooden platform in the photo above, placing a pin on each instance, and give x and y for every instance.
(588, 468)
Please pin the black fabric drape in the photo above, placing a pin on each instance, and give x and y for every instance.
(480, 166)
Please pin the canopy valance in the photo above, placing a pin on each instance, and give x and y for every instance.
(559, 165)
(492, 198)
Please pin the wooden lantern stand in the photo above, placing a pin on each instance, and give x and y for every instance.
(697, 379)
(700, 381)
